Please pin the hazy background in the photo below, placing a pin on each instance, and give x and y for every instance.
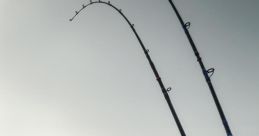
(90, 77)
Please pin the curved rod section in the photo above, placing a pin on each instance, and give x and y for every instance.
(164, 90)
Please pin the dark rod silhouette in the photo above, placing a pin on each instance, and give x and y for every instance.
(205, 72)
(164, 90)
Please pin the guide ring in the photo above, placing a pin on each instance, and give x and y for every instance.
(211, 71)
(187, 25)
(169, 89)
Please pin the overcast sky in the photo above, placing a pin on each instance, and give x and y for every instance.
(90, 77)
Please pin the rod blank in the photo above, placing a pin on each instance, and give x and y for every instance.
(152, 65)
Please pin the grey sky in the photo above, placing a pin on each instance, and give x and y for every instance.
(90, 76)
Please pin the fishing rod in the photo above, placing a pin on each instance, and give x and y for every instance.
(206, 72)
(146, 51)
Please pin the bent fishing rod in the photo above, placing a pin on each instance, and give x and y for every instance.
(146, 52)
(206, 72)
